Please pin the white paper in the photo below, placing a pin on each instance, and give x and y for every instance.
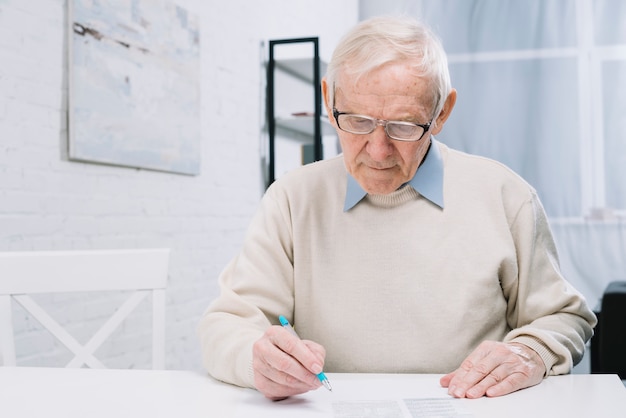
(359, 398)
(406, 408)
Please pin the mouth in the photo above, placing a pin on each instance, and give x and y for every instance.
(379, 168)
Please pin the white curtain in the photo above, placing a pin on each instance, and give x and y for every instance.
(542, 88)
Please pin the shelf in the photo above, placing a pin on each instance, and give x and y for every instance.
(295, 125)
(301, 68)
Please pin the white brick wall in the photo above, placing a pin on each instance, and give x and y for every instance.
(50, 203)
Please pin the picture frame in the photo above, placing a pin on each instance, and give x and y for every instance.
(134, 85)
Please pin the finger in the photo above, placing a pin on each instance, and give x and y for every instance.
(479, 364)
(278, 364)
(318, 350)
(499, 383)
(286, 370)
(497, 378)
(445, 380)
(527, 368)
(504, 367)
(276, 391)
(299, 350)
(271, 379)
(463, 384)
(509, 385)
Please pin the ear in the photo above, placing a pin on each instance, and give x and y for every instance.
(326, 96)
(445, 112)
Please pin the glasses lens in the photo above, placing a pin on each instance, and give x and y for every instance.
(363, 125)
(356, 124)
(404, 131)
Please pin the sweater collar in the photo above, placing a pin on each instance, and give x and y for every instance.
(427, 181)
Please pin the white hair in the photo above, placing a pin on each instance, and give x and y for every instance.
(383, 40)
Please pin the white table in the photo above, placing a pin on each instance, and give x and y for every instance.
(58, 392)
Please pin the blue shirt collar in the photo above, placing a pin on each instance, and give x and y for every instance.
(427, 181)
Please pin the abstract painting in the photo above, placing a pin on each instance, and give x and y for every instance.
(134, 85)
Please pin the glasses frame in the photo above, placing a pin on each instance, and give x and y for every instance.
(383, 123)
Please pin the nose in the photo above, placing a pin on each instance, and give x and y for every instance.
(379, 145)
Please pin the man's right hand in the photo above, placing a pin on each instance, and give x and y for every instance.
(285, 365)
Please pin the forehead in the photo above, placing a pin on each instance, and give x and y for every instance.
(393, 86)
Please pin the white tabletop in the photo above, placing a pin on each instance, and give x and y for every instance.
(57, 392)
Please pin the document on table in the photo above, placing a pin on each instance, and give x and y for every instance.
(406, 408)
(360, 398)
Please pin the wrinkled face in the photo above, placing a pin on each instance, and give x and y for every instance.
(381, 164)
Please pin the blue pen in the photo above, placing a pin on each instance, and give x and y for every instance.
(322, 377)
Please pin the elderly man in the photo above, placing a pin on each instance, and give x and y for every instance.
(399, 256)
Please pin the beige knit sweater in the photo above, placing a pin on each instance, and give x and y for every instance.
(397, 284)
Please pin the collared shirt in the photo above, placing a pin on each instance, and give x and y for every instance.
(427, 181)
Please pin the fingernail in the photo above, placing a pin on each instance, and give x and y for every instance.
(456, 392)
(316, 368)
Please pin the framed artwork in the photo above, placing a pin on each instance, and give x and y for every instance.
(134, 85)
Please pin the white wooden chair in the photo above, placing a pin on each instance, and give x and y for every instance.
(29, 272)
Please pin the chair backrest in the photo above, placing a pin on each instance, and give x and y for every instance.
(143, 271)
(608, 344)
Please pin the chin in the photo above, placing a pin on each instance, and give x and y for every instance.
(380, 188)
(378, 181)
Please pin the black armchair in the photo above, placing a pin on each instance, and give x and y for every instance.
(608, 345)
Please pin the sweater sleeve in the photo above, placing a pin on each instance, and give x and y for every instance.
(255, 288)
(544, 311)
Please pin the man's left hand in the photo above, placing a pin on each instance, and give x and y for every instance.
(495, 369)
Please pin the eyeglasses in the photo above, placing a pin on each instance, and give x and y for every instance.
(363, 125)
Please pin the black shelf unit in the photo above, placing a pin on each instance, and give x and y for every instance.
(272, 65)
